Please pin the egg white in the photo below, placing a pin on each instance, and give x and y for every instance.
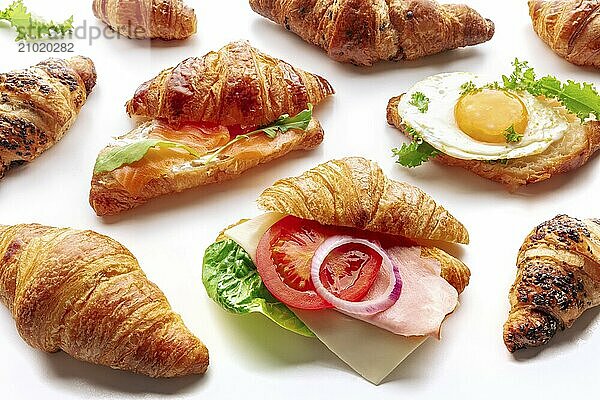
(439, 128)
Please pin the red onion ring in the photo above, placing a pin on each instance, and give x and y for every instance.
(368, 307)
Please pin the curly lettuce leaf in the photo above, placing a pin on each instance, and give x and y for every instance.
(231, 280)
(581, 99)
(29, 27)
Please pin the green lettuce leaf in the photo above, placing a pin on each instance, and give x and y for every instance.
(116, 157)
(581, 99)
(29, 27)
(231, 280)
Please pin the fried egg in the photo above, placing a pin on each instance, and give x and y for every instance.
(474, 126)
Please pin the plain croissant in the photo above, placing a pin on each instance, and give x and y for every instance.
(363, 32)
(147, 19)
(355, 192)
(558, 279)
(39, 104)
(85, 294)
(570, 27)
(237, 85)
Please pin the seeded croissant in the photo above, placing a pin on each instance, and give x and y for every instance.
(39, 104)
(570, 27)
(558, 279)
(147, 19)
(363, 32)
(85, 294)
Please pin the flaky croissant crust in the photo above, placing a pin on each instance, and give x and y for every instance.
(147, 19)
(355, 192)
(570, 27)
(558, 279)
(237, 85)
(85, 294)
(39, 104)
(363, 32)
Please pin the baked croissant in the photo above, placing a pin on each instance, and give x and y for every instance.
(237, 85)
(363, 32)
(558, 279)
(570, 27)
(354, 192)
(204, 103)
(85, 294)
(39, 104)
(147, 19)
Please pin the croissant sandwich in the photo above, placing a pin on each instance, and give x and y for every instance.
(558, 279)
(147, 19)
(85, 294)
(570, 27)
(363, 32)
(518, 132)
(343, 253)
(208, 120)
(38, 105)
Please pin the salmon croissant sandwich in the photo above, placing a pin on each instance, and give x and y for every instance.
(342, 254)
(208, 120)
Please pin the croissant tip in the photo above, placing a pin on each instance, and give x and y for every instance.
(86, 69)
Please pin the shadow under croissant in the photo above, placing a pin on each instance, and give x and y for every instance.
(61, 366)
(563, 339)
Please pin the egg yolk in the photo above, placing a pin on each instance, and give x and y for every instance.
(486, 114)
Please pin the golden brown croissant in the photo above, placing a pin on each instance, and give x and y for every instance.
(39, 104)
(558, 279)
(147, 19)
(355, 192)
(85, 294)
(575, 149)
(363, 32)
(235, 88)
(238, 85)
(570, 27)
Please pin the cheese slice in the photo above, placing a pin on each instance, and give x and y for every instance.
(371, 351)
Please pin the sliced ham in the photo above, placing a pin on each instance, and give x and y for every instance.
(426, 297)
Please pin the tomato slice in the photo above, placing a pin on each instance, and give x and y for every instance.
(284, 257)
(350, 270)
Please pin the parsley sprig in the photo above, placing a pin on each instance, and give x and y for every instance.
(415, 153)
(29, 27)
(511, 135)
(419, 100)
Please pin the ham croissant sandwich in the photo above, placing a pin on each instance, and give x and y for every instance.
(363, 32)
(341, 255)
(85, 294)
(209, 119)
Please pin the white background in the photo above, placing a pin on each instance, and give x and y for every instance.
(252, 358)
